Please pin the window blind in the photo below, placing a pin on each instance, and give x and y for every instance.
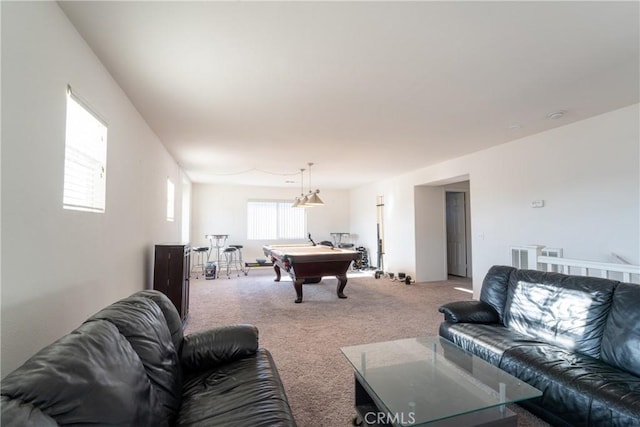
(273, 220)
(85, 159)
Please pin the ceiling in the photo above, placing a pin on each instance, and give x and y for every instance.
(250, 92)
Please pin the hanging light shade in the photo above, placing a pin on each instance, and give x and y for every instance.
(299, 202)
(313, 199)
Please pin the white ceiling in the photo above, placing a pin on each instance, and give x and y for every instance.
(365, 90)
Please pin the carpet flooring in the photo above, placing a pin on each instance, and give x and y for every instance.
(305, 339)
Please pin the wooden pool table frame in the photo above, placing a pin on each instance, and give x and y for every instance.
(308, 264)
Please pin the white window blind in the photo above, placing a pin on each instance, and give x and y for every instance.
(85, 159)
(271, 220)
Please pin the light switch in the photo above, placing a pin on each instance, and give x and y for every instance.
(537, 204)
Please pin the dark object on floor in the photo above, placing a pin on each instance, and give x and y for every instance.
(407, 280)
(362, 262)
(573, 337)
(210, 271)
(121, 367)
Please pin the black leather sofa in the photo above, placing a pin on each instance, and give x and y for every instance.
(130, 365)
(575, 338)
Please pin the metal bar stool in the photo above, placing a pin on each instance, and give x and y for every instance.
(217, 241)
(199, 252)
(239, 259)
(230, 260)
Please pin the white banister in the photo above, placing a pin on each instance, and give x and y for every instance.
(533, 257)
(596, 265)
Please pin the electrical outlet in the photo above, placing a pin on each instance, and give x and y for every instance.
(537, 204)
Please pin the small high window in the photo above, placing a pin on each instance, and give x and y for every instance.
(85, 158)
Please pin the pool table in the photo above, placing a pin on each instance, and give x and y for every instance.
(308, 263)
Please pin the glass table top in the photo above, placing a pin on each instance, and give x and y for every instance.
(432, 378)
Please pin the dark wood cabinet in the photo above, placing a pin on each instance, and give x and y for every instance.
(171, 274)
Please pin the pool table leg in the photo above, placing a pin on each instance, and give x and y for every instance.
(342, 282)
(277, 269)
(297, 284)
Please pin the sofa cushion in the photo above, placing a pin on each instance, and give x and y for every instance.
(247, 392)
(621, 340)
(486, 341)
(207, 349)
(90, 376)
(143, 324)
(577, 388)
(567, 311)
(19, 414)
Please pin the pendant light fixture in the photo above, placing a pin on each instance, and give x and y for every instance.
(312, 198)
(299, 201)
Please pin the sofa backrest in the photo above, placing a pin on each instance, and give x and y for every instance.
(170, 315)
(495, 286)
(141, 321)
(621, 339)
(120, 367)
(568, 311)
(90, 376)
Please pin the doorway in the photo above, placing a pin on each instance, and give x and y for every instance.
(437, 254)
(456, 225)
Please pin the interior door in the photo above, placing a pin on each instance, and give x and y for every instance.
(456, 234)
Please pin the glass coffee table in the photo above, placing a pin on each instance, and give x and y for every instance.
(429, 380)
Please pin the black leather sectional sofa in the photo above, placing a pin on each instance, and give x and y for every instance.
(577, 339)
(130, 365)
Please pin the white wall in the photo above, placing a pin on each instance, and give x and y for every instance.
(60, 266)
(431, 236)
(222, 209)
(588, 174)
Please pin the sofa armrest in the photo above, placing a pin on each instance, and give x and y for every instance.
(207, 349)
(469, 312)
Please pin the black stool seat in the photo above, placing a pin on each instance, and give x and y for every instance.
(230, 250)
(236, 246)
(200, 249)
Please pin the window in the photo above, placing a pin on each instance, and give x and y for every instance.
(171, 200)
(271, 220)
(85, 158)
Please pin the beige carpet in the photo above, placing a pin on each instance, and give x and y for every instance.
(305, 339)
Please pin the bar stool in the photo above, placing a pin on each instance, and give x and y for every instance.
(230, 260)
(239, 259)
(217, 241)
(199, 252)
